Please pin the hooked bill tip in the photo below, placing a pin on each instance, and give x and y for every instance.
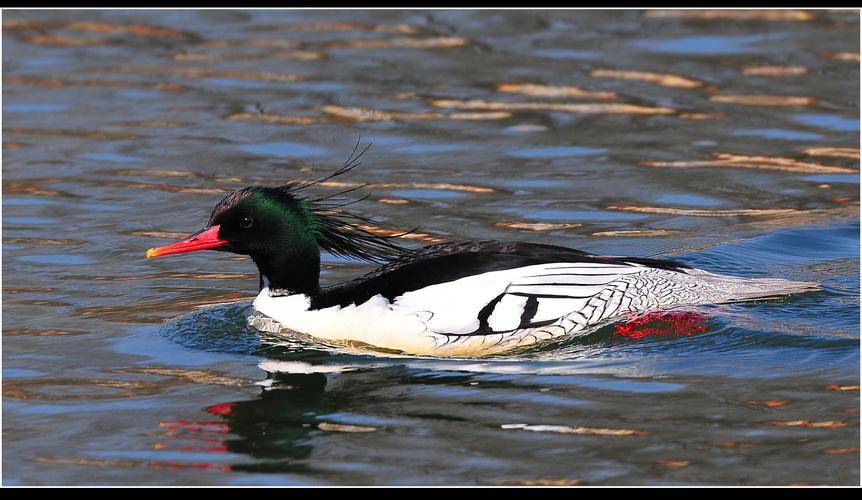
(152, 253)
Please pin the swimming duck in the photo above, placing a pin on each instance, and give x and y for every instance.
(466, 299)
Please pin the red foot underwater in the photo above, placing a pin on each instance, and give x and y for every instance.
(686, 324)
(221, 409)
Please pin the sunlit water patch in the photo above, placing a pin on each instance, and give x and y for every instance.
(836, 178)
(777, 133)
(690, 200)
(567, 53)
(582, 215)
(112, 157)
(57, 259)
(284, 149)
(710, 45)
(556, 152)
(828, 121)
(37, 107)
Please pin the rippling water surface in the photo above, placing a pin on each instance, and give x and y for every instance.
(728, 141)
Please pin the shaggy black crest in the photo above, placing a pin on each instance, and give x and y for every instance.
(336, 230)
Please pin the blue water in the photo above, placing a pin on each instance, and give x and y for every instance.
(141, 94)
(709, 45)
(240, 83)
(842, 178)
(36, 107)
(42, 61)
(537, 183)
(319, 86)
(122, 370)
(690, 200)
(581, 215)
(432, 148)
(24, 202)
(567, 53)
(284, 149)
(556, 152)
(112, 157)
(29, 220)
(828, 121)
(58, 259)
(429, 194)
(777, 133)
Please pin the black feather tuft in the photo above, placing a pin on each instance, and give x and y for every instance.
(338, 231)
(349, 164)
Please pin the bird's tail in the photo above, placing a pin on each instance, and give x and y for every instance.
(735, 289)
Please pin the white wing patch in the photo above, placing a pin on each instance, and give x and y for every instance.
(552, 309)
(505, 302)
(507, 315)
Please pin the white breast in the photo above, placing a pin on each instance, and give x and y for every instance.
(370, 324)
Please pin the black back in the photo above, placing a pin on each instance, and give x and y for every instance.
(450, 261)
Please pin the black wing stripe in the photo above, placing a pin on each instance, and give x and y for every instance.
(486, 312)
(530, 310)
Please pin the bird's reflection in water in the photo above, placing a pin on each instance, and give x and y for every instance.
(274, 428)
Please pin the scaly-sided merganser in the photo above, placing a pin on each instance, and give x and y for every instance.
(450, 299)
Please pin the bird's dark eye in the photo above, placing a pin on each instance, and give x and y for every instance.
(246, 222)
